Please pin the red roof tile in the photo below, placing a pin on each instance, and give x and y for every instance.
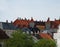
(45, 35)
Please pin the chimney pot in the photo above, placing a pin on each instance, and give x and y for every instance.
(6, 21)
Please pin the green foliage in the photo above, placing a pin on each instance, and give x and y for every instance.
(45, 43)
(19, 39)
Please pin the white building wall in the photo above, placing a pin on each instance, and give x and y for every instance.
(9, 32)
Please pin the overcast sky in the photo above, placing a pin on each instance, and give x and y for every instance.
(38, 9)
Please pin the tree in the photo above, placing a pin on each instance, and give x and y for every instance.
(45, 43)
(19, 39)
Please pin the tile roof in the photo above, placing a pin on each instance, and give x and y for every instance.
(8, 26)
(45, 36)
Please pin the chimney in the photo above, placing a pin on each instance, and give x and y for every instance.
(25, 19)
(11, 22)
(55, 19)
(32, 19)
(48, 19)
(6, 21)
